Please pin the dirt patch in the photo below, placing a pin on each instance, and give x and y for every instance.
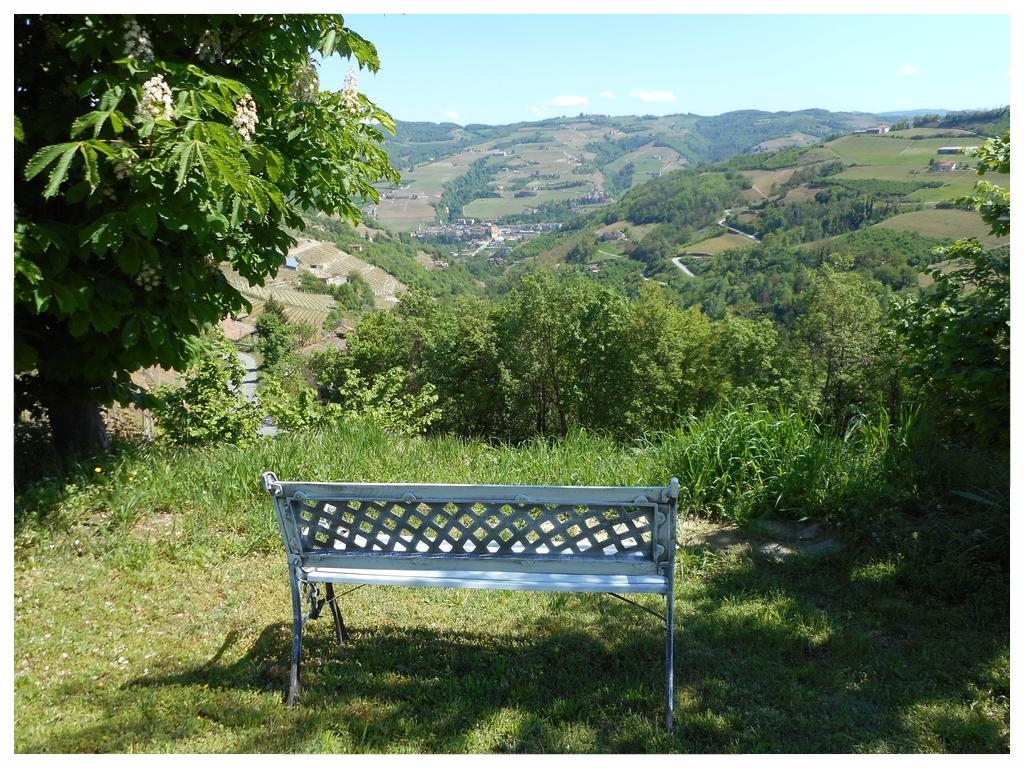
(158, 525)
(776, 539)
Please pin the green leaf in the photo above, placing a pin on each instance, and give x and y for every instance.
(327, 42)
(116, 122)
(103, 318)
(130, 332)
(60, 172)
(363, 50)
(41, 300)
(78, 324)
(273, 164)
(189, 154)
(104, 234)
(66, 297)
(145, 220)
(128, 260)
(44, 157)
(94, 120)
(92, 171)
(26, 270)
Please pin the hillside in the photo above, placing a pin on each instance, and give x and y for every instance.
(629, 199)
(880, 201)
(530, 166)
(328, 263)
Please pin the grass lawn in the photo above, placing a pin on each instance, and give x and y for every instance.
(151, 614)
(153, 650)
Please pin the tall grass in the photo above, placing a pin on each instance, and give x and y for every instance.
(740, 464)
(733, 465)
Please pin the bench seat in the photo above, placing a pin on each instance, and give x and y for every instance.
(542, 581)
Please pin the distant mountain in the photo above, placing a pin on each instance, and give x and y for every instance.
(554, 170)
(912, 113)
(544, 170)
(698, 139)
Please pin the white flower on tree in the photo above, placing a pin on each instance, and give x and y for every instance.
(123, 162)
(350, 92)
(147, 278)
(209, 49)
(306, 84)
(136, 43)
(245, 117)
(156, 99)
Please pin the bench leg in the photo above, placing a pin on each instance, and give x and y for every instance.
(669, 659)
(339, 623)
(293, 681)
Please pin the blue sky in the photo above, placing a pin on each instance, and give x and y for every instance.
(499, 68)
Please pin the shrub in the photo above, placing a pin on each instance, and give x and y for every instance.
(210, 406)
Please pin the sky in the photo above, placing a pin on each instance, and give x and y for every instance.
(451, 66)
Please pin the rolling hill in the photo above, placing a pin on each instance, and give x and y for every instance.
(530, 165)
(672, 199)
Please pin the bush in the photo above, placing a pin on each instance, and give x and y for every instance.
(210, 406)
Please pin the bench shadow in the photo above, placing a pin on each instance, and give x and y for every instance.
(391, 684)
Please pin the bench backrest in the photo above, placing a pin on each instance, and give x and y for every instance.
(329, 521)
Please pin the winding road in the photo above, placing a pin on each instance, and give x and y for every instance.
(678, 260)
(721, 223)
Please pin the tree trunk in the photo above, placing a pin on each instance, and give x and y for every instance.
(76, 425)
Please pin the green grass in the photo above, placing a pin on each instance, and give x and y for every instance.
(151, 610)
(954, 184)
(896, 159)
(722, 243)
(882, 150)
(490, 208)
(944, 223)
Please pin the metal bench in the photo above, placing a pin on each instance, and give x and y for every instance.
(516, 537)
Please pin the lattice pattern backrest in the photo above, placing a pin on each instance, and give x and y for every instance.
(499, 528)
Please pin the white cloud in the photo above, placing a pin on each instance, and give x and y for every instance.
(451, 114)
(644, 95)
(908, 69)
(607, 95)
(568, 101)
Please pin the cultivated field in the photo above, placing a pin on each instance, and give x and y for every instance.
(536, 159)
(765, 182)
(313, 308)
(898, 159)
(944, 223)
(884, 151)
(722, 243)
